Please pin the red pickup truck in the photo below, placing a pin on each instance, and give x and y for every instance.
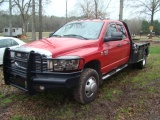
(80, 55)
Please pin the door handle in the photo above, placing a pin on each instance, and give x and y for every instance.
(119, 45)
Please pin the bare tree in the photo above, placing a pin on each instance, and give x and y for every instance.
(93, 8)
(135, 25)
(41, 16)
(86, 8)
(96, 8)
(1, 1)
(10, 17)
(24, 7)
(33, 21)
(40, 19)
(148, 7)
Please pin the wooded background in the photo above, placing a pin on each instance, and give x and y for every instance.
(29, 15)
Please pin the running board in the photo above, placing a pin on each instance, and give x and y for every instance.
(114, 71)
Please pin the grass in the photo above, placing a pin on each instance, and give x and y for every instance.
(155, 50)
(29, 36)
(129, 94)
(124, 111)
(46, 34)
(5, 101)
(110, 93)
(145, 38)
(17, 117)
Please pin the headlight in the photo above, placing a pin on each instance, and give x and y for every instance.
(67, 63)
(12, 54)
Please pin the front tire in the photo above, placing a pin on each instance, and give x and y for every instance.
(86, 90)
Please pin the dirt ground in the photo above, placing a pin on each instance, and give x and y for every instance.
(123, 97)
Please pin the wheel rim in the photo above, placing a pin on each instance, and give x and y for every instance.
(144, 61)
(90, 87)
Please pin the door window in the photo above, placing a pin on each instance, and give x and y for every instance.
(7, 43)
(111, 29)
(122, 30)
(13, 42)
(6, 30)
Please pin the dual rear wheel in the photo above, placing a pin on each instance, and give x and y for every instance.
(142, 63)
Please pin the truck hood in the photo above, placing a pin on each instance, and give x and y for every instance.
(58, 46)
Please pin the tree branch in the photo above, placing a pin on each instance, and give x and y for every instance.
(143, 4)
(1, 1)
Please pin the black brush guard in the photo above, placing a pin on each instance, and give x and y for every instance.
(35, 74)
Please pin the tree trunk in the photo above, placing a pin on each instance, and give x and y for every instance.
(1, 1)
(96, 14)
(121, 11)
(152, 16)
(10, 18)
(24, 26)
(33, 20)
(40, 19)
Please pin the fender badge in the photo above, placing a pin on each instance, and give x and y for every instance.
(105, 52)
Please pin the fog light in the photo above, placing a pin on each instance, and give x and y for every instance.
(41, 88)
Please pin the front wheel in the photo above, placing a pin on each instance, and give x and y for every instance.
(86, 90)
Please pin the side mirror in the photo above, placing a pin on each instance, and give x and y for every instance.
(115, 36)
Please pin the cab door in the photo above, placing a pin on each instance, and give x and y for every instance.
(112, 50)
(125, 44)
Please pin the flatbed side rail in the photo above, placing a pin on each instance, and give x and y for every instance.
(137, 52)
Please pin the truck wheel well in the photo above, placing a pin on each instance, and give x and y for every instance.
(95, 64)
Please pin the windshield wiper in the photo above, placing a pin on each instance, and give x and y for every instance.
(54, 35)
(74, 35)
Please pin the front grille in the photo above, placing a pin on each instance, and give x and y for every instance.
(21, 59)
(21, 55)
(21, 65)
(40, 63)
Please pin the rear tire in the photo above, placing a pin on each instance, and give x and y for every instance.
(86, 90)
(142, 63)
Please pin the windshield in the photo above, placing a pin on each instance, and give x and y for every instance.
(81, 30)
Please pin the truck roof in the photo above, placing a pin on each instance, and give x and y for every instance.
(99, 20)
